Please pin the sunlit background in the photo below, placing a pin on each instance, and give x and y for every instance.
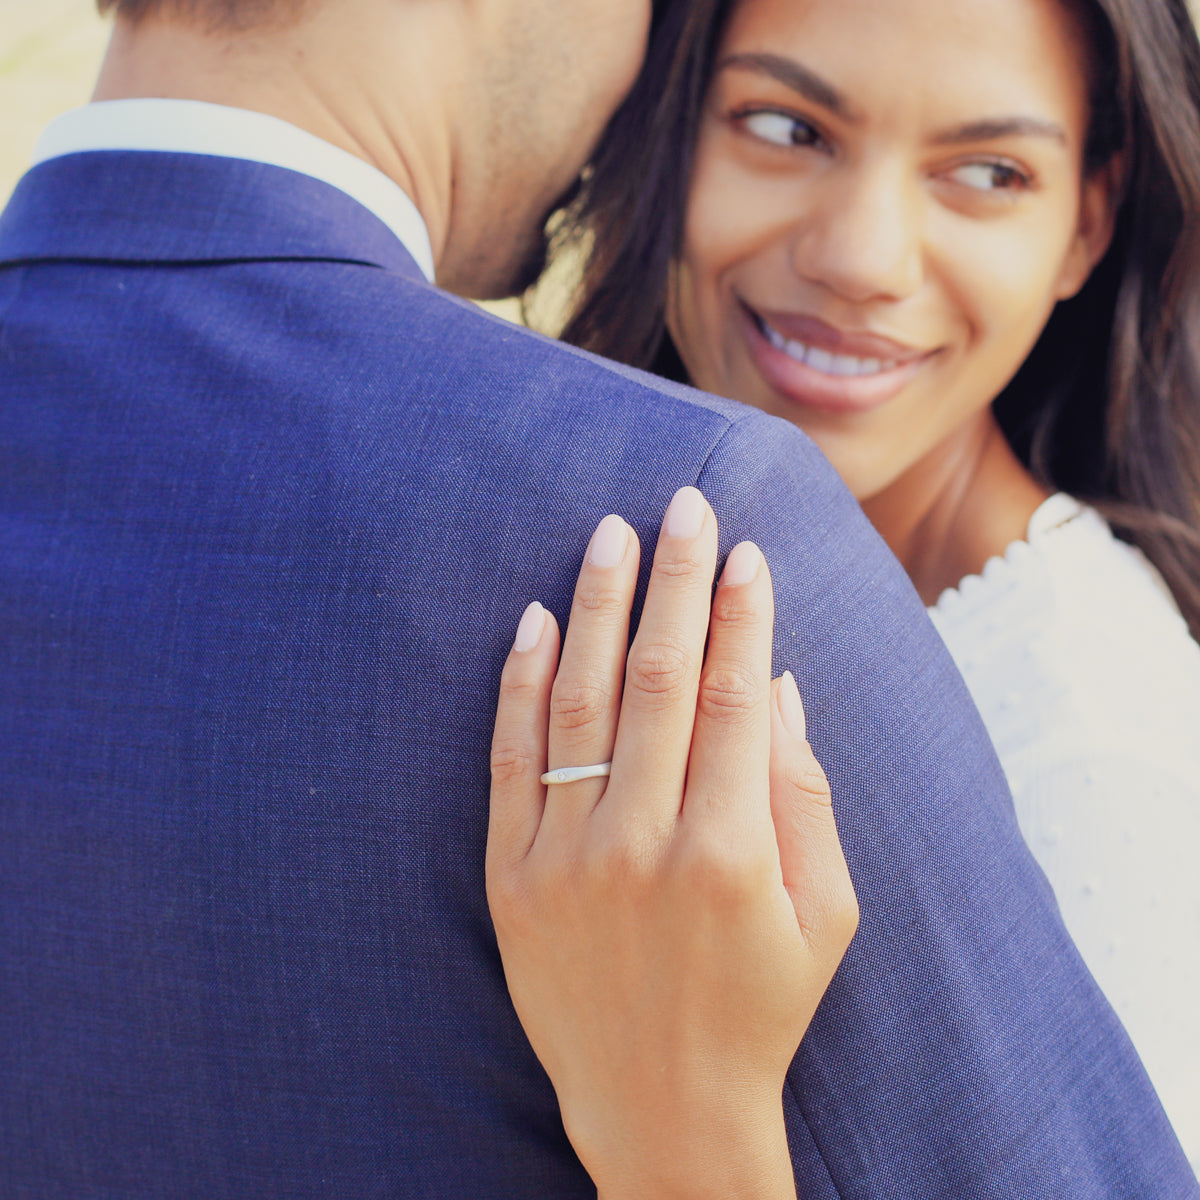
(50, 51)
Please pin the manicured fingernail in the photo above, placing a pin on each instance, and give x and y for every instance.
(742, 564)
(791, 707)
(685, 516)
(530, 630)
(609, 543)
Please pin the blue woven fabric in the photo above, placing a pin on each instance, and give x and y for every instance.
(270, 508)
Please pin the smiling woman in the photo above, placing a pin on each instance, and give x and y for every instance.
(957, 242)
(872, 258)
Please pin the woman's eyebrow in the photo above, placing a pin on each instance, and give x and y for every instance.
(795, 76)
(809, 84)
(1001, 127)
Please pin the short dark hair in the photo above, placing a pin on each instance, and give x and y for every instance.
(218, 14)
(1106, 405)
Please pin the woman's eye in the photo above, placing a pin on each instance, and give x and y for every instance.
(780, 129)
(990, 177)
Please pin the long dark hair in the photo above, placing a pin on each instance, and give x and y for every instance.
(1107, 406)
(627, 221)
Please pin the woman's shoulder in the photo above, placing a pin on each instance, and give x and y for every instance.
(1072, 632)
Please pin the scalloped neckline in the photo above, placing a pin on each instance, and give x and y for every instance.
(1051, 515)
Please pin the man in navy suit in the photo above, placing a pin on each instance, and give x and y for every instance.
(270, 505)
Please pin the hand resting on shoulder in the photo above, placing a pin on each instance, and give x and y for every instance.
(667, 932)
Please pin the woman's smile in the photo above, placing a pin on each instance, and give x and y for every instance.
(817, 366)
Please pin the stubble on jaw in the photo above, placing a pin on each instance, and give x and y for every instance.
(514, 261)
(528, 269)
(518, 161)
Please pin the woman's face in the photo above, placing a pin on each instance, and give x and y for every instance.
(888, 201)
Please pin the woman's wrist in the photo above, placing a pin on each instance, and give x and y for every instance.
(744, 1157)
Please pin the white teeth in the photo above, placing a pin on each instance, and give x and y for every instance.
(822, 360)
(844, 364)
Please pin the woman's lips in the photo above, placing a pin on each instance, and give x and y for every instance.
(816, 366)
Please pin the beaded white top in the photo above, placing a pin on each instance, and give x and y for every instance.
(1089, 685)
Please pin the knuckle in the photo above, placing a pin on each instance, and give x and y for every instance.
(847, 913)
(659, 670)
(623, 864)
(728, 693)
(516, 691)
(526, 898)
(512, 761)
(578, 704)
(682, 566)
(509, 902)
(805, 776)
(596, 599)
(733, 610)
(724, 870)
(829, 915)
(504, 894)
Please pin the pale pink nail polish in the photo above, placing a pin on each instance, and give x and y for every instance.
(529, 631)
(742, 565)
(609, 543)
(685, 516)
(791, 707)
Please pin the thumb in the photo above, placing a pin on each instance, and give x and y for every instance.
(810, 853)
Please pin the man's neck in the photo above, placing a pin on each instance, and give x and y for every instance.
(316, 74)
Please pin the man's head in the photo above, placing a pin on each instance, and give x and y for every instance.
(484, 111)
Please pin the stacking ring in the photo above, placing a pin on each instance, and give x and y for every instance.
(572, 774)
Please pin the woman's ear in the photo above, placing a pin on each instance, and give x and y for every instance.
(1099, 201)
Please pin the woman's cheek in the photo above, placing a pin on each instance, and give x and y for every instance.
(999, 282)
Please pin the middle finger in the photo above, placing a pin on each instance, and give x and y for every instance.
(662, 675)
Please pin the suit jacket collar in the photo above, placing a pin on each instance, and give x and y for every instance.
(150, 207)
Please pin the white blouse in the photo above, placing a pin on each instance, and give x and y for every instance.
(1089, 685)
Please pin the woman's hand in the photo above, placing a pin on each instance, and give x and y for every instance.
(667, 932)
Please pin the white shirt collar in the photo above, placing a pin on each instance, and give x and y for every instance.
(192, 127)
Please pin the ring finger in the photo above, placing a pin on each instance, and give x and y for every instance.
(585, 701)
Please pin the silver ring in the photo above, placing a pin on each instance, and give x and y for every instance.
(572, 774)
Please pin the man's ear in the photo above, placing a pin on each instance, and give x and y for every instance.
(1099, 201)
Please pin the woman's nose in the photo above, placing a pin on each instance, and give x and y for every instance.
(862, 238)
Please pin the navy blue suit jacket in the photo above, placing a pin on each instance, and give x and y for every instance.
(270, 507)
